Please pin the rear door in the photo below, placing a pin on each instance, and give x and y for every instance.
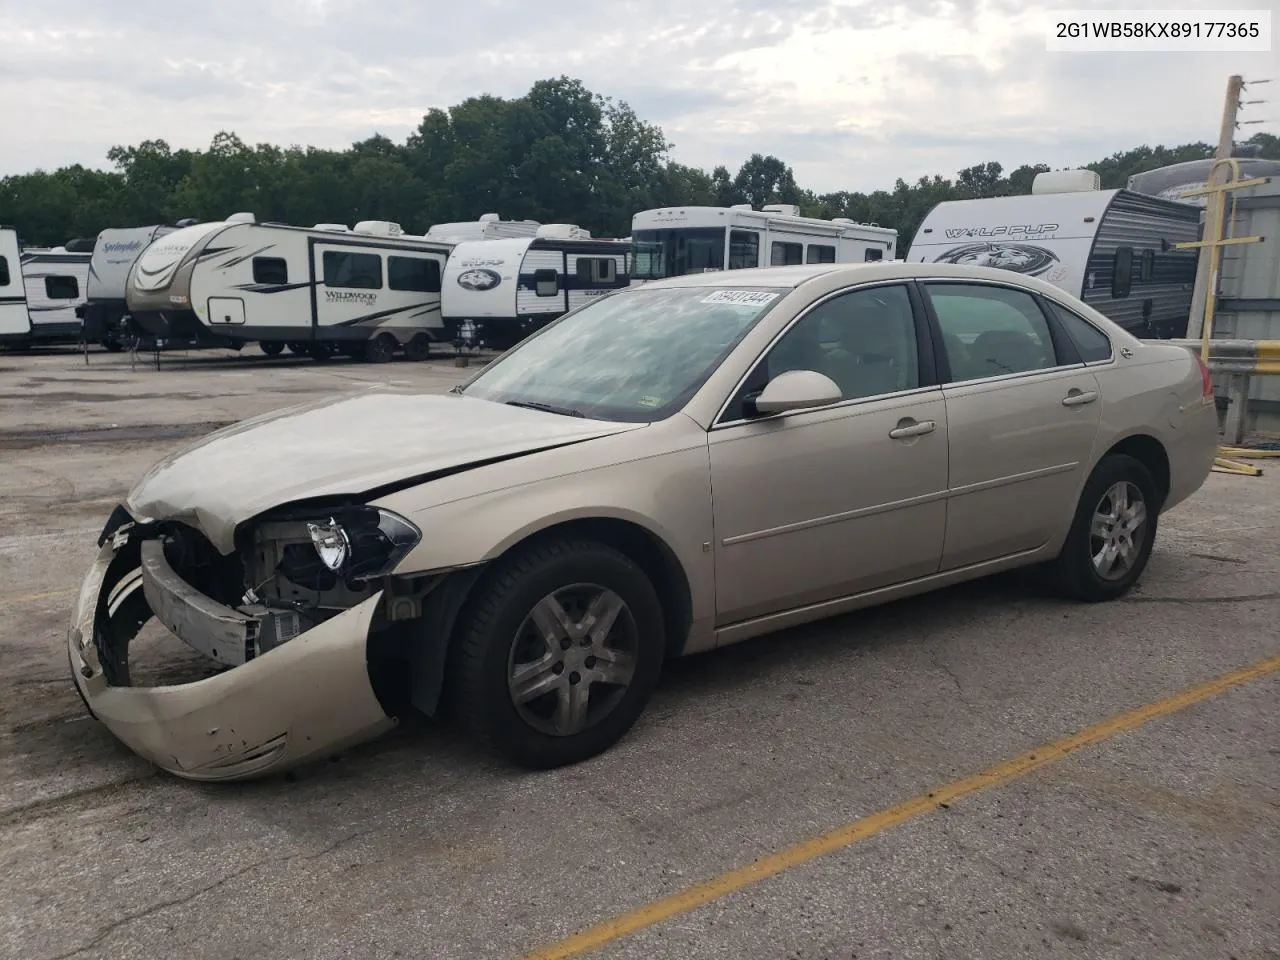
(15, 321)
(1022, 415)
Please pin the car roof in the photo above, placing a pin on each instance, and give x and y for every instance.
(794, 276)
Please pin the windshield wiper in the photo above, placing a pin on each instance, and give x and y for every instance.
(548, 407)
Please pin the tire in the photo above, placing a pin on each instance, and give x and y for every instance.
(114, 346)
(1075, 574)
(320, 352)
(271, 348)
(418, 348)
(380, 349)
(300, 348)
(496, 637)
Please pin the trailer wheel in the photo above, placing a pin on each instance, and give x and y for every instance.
(418, 348)
(380, 349)
(301, 349)
(320, 352)
(271, 348)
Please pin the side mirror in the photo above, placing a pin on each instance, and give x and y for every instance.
(796, 390)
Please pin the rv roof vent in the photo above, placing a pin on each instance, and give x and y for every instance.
(186, 222)
(335, 227)
(741, 206)
(1066, 181)
(242, 218)
(786, 209)
(489, 218)
(562, 231)
(379, 228)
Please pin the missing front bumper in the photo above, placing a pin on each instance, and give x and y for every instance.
(306, 698)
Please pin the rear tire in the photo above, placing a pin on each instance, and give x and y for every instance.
(418, 348)
(301, 349)
(1112, 533)
(380, 349)
(545, 701)
(271, 348)
(320, 352)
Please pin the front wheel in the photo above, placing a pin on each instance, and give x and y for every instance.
(1112, 534)
(271, 348)
(558, 654)
(380, 349)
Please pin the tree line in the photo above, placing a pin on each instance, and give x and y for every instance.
(559, 153)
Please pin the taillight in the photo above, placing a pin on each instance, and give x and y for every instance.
(1206, 381)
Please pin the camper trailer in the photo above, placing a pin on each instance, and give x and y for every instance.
(488, 227)
(367, 292)
(39, 291)
(678, 240)
(508, 289)
(1114, 249)
(1173, 181)
(104, 311)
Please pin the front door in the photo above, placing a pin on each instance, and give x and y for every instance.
(818, 504)
(15, 321)
(1023, 416)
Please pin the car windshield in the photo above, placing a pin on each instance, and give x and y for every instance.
(635, 356)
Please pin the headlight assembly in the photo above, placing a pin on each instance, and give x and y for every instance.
(362, 543)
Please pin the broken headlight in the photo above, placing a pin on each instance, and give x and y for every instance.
(361, 543)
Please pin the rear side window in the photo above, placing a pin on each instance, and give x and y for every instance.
(546, 283)
(417, 274)
(61, 288)
(1122, 273)
(744, 249)
(270, 270)
(1091, 342)
(786, 254)
(356, 271)
(820, 253)
(597, 270)
(991, 331)
(4, 272)
(872, 255)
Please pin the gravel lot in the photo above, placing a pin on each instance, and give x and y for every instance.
(1160, 842)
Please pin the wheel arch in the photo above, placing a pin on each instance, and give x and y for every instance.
(1151, 453)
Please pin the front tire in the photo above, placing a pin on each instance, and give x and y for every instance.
(558, 653)
(380, 349)
(1112, 533)
(271, 348)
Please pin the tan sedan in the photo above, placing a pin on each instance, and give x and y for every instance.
(672, 468)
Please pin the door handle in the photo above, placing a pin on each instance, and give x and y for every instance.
(912, 428)
(1076, 398)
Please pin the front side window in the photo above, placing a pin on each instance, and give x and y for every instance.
(593, 270)
(864, 340)
(270, 270)
(61, 288)
(1090, 342)
(820, 253)
(636, 356)
(414, 274)
(676, 251)
(744, 249)
(1122, 273)
(355, 271)
(785, 254)
(546, 283)
(990, 331)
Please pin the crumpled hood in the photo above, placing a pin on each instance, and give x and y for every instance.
(346, 446)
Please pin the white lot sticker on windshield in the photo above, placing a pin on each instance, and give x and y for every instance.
(747, 298)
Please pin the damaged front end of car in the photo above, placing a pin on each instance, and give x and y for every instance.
(318, 645)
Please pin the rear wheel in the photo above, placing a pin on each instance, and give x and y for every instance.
(558, 654)
(300, 348)
(271, 348)
(320, 352)
(1112, 534)
(418, 348)
(380, 349)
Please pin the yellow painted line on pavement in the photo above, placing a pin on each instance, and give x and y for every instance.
(800, 853)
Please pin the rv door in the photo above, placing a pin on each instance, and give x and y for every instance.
(15, 321)
(349, 281)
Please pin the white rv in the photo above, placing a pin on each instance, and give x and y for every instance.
(1114, 249)
(104, 311)
(1173, 181)
(367, 291)
(488, 227)
(40, 289)
(507, 289)
(676, 240)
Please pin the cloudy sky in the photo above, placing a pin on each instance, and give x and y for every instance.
(852, 94)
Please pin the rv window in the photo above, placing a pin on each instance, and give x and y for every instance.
(272, 270)
(744, 249)
(545, 283)
(61, 288)
(991, 331)
(872, 254)
(357, 271)
(1122, 273)
(1091, 342)
(419, 274)
(1147, 271)
(4, 272)
(785, 254)
(597, 270)
(820, 253)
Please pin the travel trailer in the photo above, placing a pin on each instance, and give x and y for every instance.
(1173, 181)
(507, 289)
(39, 292)
(1114, 249)
(676, 240)
(104, 312)
(364, 292)
(488, 227)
